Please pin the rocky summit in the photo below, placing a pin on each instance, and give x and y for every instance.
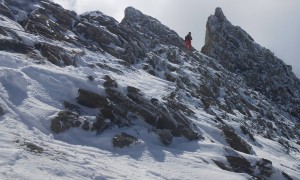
(88, 97)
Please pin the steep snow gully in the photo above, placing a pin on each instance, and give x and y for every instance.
(87, 97)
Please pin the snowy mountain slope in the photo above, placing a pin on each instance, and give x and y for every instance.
(71, 87)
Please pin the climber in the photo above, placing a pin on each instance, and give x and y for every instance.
(188, 41)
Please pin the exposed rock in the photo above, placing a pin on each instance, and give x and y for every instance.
(51, 21)
(180, 106)
(186, 132)
(157, 115)
(14, 46)
(85, 125)
(150, 26)
(132, 89)
(239, 164)
(101, 125)
(267, 103)
(247, 132)
(71, 107)
(57, 55)
(91, 99)
(33, 147)
(64, 120)
(169, 77)
(262, 169)
(123, 139)
(264, 72)
(165, 138)
(19, 10)
(286, 175)
(222, 165)
(265, 167)
(6, 11)
(1, 111)
(287, 146)
(91, 78)
(235, 141)
(109, 82)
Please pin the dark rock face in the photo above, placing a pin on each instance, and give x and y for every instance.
(101, 124)
(264, 72)
(64, 121)
(246, 132)
(57, 55)
(6, 11)
(117, 35)
(150, 27)
(14, 46)
(265, 167)
(51, 21)
(123, 139)
(235, 141)
(262, 169)
(165, 138)
(68, 119)
(1, 111)
(115, 107)
(54, 22)
(239, 164)
(19, 10)
(90, 99)
(109, 82)
(286, 175)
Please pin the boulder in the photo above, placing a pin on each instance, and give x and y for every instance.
(101, 125)
(91, 99)
(123, 139)
(166, 138)
(131, 89)
(64, 120)
(239, 164)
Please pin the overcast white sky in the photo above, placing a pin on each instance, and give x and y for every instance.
(275, 24)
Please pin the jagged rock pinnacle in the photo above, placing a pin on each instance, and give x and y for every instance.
(219, 14)
(236, 50)
(131, 12)
(150, 27)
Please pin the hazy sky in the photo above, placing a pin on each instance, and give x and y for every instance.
(274, 24)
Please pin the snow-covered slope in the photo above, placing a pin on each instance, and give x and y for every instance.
(86, 97)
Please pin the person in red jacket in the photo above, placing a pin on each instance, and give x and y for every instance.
(188, 41)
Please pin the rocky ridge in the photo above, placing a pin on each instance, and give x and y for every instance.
(262, 70)
(226, 90)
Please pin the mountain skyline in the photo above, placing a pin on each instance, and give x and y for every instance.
(273, 24)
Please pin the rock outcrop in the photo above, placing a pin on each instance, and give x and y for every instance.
(262, 70)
